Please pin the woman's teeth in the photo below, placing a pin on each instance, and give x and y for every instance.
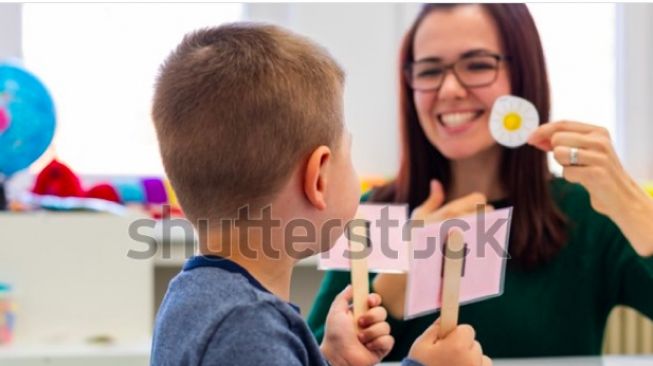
(457, 119)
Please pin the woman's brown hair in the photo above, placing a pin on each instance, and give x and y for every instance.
(538, 230)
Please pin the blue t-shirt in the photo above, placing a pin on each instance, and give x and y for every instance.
(217, 313)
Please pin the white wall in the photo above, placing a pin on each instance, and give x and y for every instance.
(10, 31)
(635, 88)
(364, 39)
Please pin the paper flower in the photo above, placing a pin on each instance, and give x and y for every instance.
(512, 120)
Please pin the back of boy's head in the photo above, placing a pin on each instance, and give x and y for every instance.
(237, 108)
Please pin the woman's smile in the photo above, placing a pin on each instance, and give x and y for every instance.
(456, 123)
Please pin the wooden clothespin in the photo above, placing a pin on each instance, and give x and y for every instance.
(453, 265)
(359, 269)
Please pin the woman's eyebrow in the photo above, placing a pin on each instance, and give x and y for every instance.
(476, 52)
(430, 59)
(466, 54)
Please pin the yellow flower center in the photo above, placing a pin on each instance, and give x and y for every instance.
(512, 121)
(649, 188)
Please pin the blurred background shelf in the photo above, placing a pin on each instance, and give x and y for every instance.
(73, 278)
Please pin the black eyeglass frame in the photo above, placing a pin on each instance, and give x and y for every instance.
(408, 71)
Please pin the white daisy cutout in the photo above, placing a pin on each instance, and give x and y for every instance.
(512, 120)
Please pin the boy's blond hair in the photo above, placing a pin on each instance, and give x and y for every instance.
(236, 108)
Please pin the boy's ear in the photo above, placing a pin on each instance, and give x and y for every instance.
(315, 178)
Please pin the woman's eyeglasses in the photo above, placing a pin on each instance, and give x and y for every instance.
(471, 71)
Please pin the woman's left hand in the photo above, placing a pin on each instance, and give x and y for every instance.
(586, 153)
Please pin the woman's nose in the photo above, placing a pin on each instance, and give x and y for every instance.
(451, 87)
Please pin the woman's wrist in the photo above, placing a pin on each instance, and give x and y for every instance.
(635, 219)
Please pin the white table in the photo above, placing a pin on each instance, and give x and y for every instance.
(75, 355)
(644, 360)
(138, 355)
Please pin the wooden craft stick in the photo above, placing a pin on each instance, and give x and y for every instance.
(453, 264)
(359, 270)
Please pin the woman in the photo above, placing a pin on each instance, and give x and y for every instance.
(579, 246)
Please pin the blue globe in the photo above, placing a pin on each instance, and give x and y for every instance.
(27, 119)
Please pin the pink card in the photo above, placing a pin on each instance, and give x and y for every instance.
(486, 242)
(387, 250)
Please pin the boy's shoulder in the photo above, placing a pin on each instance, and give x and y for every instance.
(211, 313)
(213, 295)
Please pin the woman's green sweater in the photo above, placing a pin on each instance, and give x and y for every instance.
(558, 309)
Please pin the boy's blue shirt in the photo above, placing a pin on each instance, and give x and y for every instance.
(227, 265)
(217, 313)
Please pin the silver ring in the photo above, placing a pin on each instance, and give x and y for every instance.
(573, 156)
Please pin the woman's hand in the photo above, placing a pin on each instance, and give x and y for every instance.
(612, 191)
(392, 287)
(432, 209)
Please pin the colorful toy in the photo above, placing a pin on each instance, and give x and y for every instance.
(27, 121)
(155, 191)
(104, 191)
(370, 182)
(130, 190)
(7, 314)
(57, 179)
(57, 187)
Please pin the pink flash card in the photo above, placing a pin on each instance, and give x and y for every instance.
(486, 250)
(387, 250)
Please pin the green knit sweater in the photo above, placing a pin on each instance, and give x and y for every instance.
(559, 309)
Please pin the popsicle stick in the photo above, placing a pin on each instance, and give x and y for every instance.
(453, 264)
(359, 269)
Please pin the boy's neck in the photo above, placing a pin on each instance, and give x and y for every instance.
(274, 272)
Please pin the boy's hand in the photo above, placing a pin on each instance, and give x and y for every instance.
(458, 348)
(344, 345)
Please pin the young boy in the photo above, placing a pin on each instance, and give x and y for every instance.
(250, 126)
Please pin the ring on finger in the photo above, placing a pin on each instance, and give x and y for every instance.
(573, 156)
